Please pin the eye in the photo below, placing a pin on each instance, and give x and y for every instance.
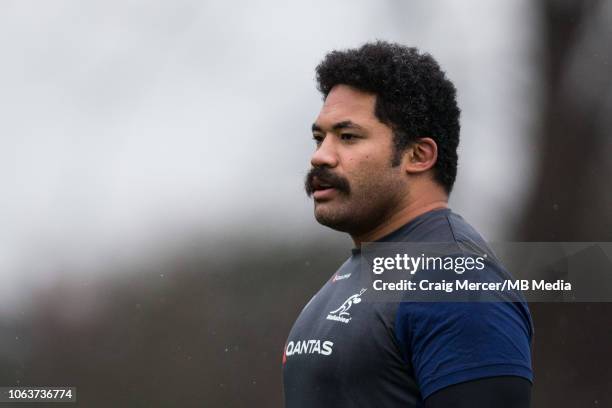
(347, 136)
(318, 139)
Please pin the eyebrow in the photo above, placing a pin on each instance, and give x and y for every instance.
(346, 124)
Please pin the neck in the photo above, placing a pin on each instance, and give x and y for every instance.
(398, 219)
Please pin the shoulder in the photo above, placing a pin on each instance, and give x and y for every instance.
(441, 225)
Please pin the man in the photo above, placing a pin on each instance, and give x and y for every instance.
(385, 163)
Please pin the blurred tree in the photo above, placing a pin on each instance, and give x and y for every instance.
(572, 195)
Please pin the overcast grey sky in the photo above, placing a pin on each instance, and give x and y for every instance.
(129, 124)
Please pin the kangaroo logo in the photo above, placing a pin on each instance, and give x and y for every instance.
(341, 314)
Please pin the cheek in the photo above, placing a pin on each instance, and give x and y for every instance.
(375, 178)
(367, 181)
(357, 165)
(365, 164)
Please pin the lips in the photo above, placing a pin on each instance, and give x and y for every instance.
(322, 190)
(324, 194)
(320, 185)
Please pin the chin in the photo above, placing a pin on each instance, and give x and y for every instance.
(333, 218)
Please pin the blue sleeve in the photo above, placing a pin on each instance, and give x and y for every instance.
(449, 343)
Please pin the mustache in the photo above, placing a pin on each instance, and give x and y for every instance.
(325, 176)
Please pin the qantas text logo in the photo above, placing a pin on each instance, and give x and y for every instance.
(341, 314)
(309, 347)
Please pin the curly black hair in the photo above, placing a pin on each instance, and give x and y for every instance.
(413, 97)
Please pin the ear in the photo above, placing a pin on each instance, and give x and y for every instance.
(421, 155)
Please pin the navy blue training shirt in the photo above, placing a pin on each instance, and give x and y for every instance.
(346, 351)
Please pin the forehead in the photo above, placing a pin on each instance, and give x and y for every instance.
(345, 103)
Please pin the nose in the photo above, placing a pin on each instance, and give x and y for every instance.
(325, 155)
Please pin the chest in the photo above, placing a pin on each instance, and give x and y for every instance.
(342, 333)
